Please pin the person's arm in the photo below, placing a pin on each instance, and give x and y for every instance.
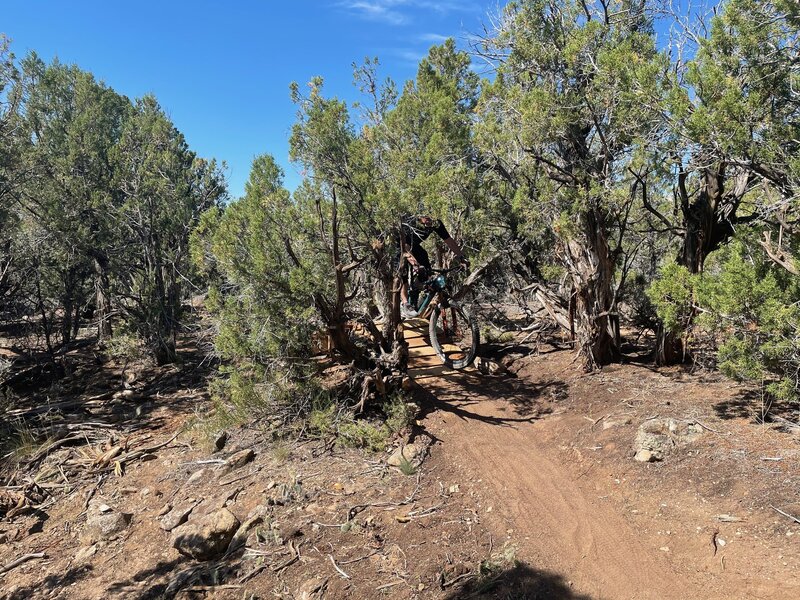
(442, 232)
(451, 243)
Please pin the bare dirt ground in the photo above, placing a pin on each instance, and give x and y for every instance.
(528, 489)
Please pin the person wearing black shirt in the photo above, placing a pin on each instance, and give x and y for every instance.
(415, 230)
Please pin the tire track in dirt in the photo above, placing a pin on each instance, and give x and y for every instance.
(490, 427)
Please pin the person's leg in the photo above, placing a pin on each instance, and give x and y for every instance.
(406, 310)
(424, 261)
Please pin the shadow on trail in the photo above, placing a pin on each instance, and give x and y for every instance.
(50, 584)
(455, 392)
(164, 580)
(756, 409)
(521, 582)
(170, 578)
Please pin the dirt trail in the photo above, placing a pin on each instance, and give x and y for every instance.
(559, 522)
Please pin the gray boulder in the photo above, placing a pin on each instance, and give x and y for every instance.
(207, 537)
(659, 437)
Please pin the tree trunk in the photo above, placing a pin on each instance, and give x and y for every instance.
(708, 223)
(592, 272)
(102, 300)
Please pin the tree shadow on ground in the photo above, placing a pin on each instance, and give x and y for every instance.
(168, 579)
(756, 408)
(89, 392)
(527, 402)
(520, 582)
(51, 583)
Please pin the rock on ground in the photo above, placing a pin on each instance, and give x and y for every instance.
(104, 523)
(206, 537)
(240, 459)
(312, 588)
(411, 453)
(177, 516)
(661, 436)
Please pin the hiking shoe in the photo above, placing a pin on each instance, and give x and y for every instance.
(407, 311)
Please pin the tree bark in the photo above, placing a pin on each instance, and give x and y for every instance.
(591, 269)
(708, 224)
(102, 300)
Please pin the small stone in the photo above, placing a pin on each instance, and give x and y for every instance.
(164, 509)
(453, 489)
(241, 458)
(490, 367)
(240, 537)
(727, 518)
(196, 476)
(409, 453)
(312, 589)
(207, 537)
(86, 552)
(104, 508)
(644, 456)
(103, 525)
(177, 516)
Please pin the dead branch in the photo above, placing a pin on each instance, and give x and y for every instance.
(785, 514)
(18, 561)
(457, 579)
(777, 255)
(360, 507)
(335, 566)
(391, 584)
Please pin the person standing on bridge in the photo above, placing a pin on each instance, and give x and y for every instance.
(415, 229)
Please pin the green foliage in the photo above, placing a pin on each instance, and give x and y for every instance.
(755, 309)
(569, 125)
(105, 194)
(125, 346)
(332, 421)
(266, 270)
(406, 467)
(363, 434)
(163, 188)
(750, 305)
(672, 294)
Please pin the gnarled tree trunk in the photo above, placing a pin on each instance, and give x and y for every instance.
(591, 269)
(708, 223)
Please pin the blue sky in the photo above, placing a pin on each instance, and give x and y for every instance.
(222, 70)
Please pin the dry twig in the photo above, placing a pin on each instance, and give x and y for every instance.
(18, 561)
(335, 566)
(785, 514)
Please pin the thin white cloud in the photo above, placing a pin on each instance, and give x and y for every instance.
(396, 12)
(433, 38)
(411, 57)
(377, 10)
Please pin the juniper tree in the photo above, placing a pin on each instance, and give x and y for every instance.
(70, 123)
(734, 126)
(565, 122)
(163, 188)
